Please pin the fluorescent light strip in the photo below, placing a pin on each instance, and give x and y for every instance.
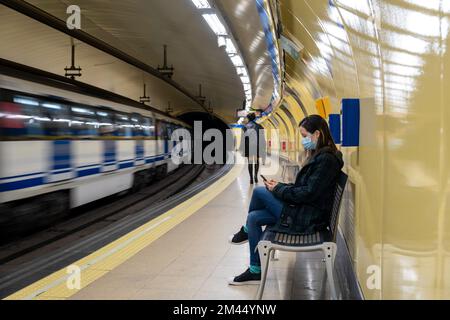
(214, 23)
(202, 4)
(242, 71)
(223, 40)
(51, 106)
(230, 48)
(26, 102)
(237, 61)
(245, 80)
(42, 119)
(80, 110)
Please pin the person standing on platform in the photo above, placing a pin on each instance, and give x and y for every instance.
(254, 145)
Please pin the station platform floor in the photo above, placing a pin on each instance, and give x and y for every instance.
(194, 260)
(185, 255)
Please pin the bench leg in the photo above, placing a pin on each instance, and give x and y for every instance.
(274, 255)
(330, 255)
(264, 252)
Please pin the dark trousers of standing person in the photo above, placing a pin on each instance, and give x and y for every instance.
(253, 169)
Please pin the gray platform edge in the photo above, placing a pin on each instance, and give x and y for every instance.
(48, 264)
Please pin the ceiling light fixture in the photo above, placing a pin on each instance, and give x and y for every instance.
(26, 102)
(230, 48)
(222, 41)
(245, 80)
(202, 4)
(237, 61)
(241, 71)
(51, 106)
(215, 24)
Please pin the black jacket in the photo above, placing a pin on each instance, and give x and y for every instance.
(254, 141)
(308, 202)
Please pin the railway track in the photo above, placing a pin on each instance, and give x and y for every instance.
(27, 260)
(108, 210)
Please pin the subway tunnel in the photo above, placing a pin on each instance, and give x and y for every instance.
(92, 92)
(205, 122)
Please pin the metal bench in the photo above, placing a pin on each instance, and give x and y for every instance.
(320, 241)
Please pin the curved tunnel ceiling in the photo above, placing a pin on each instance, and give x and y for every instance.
(135, 27)
(37, 45)
(245, 22)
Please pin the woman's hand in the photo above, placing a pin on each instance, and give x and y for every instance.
(271, 184)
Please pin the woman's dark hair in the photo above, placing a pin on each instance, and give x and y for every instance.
(317, 123)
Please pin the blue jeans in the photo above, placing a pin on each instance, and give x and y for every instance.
(264, 210)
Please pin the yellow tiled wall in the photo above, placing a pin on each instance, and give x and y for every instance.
(394, 55)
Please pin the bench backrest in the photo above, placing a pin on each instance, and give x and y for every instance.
(340, 187)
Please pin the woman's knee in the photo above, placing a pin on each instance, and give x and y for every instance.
(260, 191)
(252, 218)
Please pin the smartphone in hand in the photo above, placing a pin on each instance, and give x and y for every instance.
(264, 178)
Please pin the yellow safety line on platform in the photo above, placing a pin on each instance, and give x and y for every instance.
(57, 285)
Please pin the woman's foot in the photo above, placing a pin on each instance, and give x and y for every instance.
(247, 278)
(239, 238)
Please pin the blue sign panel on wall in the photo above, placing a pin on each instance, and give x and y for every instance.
(350, 122)
(335, 127)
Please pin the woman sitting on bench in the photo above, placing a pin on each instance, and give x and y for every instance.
(306, 203)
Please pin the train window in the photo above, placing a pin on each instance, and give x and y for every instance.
(84, 122)
(158, 129)
(22, 118)
(148, 127)
(106, 123)
(124, 128)
(136, 122)
(169, 130)
(161, 129)
(60, 119)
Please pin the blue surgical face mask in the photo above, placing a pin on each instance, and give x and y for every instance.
(308, 144)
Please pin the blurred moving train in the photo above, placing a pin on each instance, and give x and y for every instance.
(60, 150)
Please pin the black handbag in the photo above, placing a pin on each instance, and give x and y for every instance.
(286, 222)
(298, 220)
